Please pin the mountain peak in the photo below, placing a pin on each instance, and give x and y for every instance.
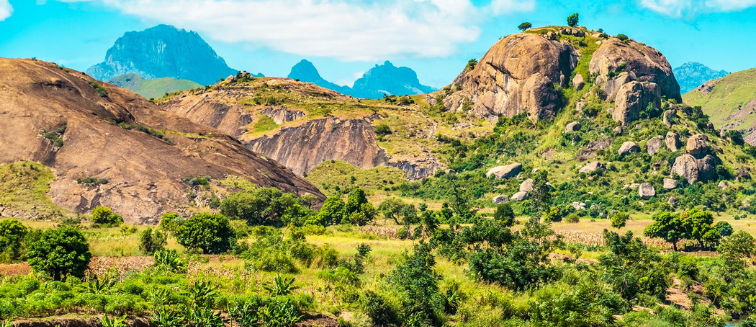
(692, 74)
(304, 70)
(163, 51)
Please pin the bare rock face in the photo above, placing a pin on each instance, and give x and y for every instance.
(654, 145)
(628, 148)
(668, 118)
(672, 141)
(282, 114)
(645, 63)
(499, 199)
(591, 167)
(670, 184)
(572, 127)
(146, 173)
(527, 186)
(517, 75)
(707, 167)
(634, 97)
(686, 166)
(646, 191)
(507, 171)
(697, 145)
(578, 82)
(520, 196)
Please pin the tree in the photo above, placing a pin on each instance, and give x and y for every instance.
(471, 64)
(504, 214)
(697, 226)
(666, 226)
(524, 26)
(103, 216)
(736, 247)
(724, 228)
(622, 37)
(60, 252)
(393, 208)
(262, 206)
(619, 219)
(355, 200)
(541, 194)
(211, 233)
(418, 283)
(151, 241)
(12, 233)
(171, 222)
(573, 19)
(332, 212)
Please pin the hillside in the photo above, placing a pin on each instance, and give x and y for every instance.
(693, 74)
(729, 101)
(109, 146)
(162, 51)
(152, 88)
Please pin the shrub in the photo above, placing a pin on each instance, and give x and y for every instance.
(622, 37)
(103, 216)
(262, 206)
(151, 241)
(12, 233)
(471, 64)
(99, 88)
(382, 130)
(171, 222)
(572, 218)
(504, 214)
(60, 252)
(619, 219)
(210, 233)
(724, 228)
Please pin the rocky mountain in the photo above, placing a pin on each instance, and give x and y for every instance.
(693, 74)
(109, 146)
(163, 51)
(152, 88)
(377, 82)
(305, 71)
(730, 102)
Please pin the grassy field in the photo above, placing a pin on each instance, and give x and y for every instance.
(733, 93)
(25, 188)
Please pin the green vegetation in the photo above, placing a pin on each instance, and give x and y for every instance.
(25, 188)
(153, 88)
(338, 177)
(524, 26)
(103, 216)
(729, 101)
(55, 136)
(99, 88)
(60, 253)
(264, 124)
(208, 233)
(573, 19)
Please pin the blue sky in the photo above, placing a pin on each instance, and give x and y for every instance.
(345, 38)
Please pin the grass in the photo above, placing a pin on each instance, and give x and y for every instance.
(729, 96)
(264, 124)
(330, 175)
(153, 88)
(25, 188)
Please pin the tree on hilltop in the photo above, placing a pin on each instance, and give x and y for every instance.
(573, 19)
(524, 26)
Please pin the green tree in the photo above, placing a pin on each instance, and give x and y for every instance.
(355, 201)
(211, 233)
(622, 37)
(541, 194)
(151, 241)
(12, 233)
(393, 208)
(471, 64)
(666, 226)
(524, 26)
(262, 206)
(724, 228)
(171, 222)
(736, 247)
(103, 216)
(573, 19)
(697, 226)
(60, 252)
(332, 212)
(619, 220)
(417, 282)
(504, 214)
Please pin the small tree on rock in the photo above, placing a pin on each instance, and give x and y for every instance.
(573, 19)
(524, 26)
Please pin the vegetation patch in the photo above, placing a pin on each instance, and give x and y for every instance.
(264, 123)
(337, 177)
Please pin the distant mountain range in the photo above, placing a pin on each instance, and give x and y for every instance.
(152, 88)
(693, 74)
(374, 84)
(163, 51)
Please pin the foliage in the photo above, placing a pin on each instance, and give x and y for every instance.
(210, 233)
(12, 234)
(524, 26)
(417, 282)
(471, 64)
(170, 222)
(151, 241)
(573, 19)
(622, 37)
(60, 252)
(504, 214)
(666, 226)
(103, 216)
(619, 219)
(262, 206)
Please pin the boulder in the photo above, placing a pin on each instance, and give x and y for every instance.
(578, 82)
(697, 145)
(526, 186)
(670, 184)
(499, 199)
(654, 145)
(634, 97)
(668, 118)
(672, 141)
(578, 205)
(686, 166)
(707, 167)
(572, 127)
(634, 186)
(672, 201)
(618, 130)
(742, 174)
(574, 31)
(519, 196)
(646, 191)
(591, 167)
(507, 171)
(722, 185)
(628, 148)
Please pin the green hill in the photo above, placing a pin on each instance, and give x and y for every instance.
(152, 88)
(729, 101)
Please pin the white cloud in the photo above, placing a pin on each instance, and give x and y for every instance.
(680, 8)
(5, 9)
(344, 29)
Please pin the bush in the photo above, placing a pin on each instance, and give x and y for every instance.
(60, 252)
(524, 26)
(151, 241)
(262, 206)
(103, 216)
(724, 228)
(12, 233)
(504, 214)
(572, 218)
(619, 219)
(210, 233)
(171, 222)
(622, 37)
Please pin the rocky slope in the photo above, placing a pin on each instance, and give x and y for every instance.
(298, 124)
(145, 156)
(152, 88)
(694, 74)
(523, 73)
(162, 51)
(377, 82)
(729, 101)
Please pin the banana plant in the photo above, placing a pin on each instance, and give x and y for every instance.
(115, 322)
(282, 285)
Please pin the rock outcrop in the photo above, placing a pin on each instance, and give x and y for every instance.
(282, 114)
(654, 145)
(628, 147)
(672, 141)
(646, 191)
(686, 166)
(698, 145)
(507, 171)
(526, 186)
(669, 184)
(145, 171)
(519, 196)
(572, 127)
(499, 199)
(592, 167)
(634, 97)
(517, 75)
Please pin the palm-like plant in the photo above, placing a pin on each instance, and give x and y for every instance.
(165, 318)
(100, 285)
(115, 322)
(282, 285)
